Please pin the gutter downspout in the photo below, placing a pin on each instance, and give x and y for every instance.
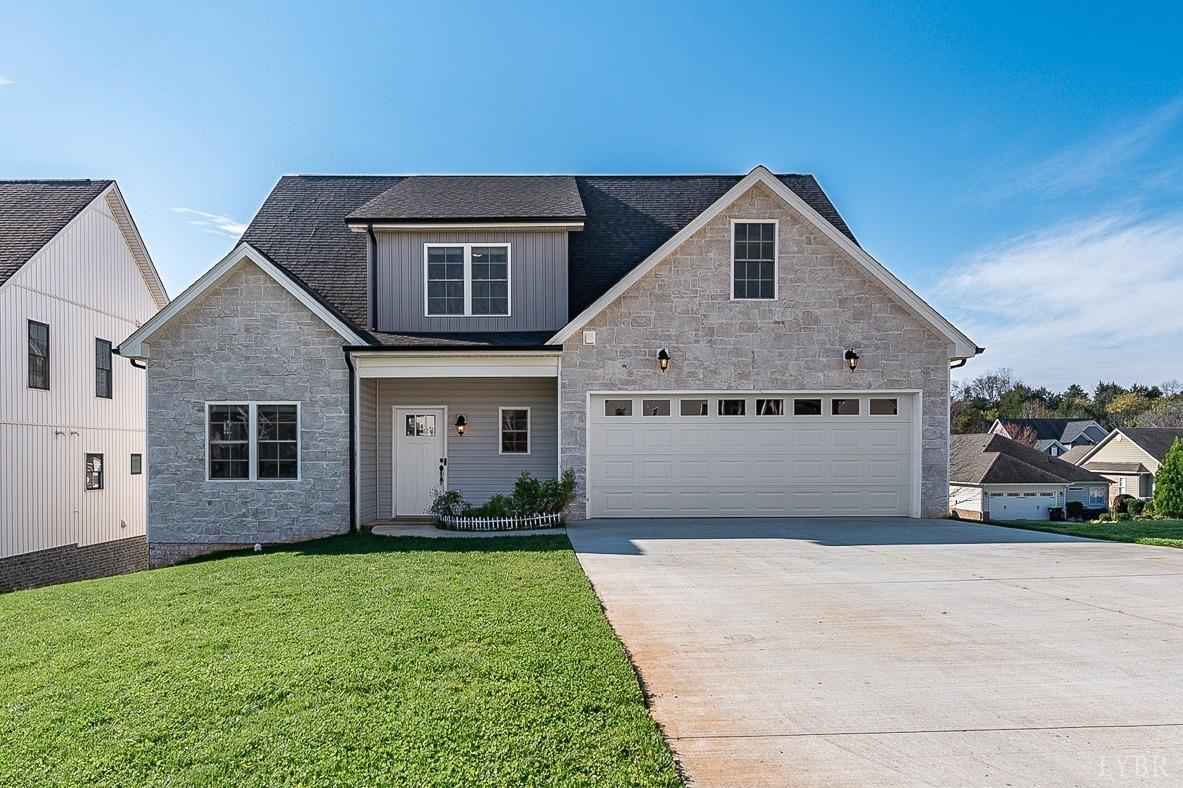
(352, 442)
(372, 275)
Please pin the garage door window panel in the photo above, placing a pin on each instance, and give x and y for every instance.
(618, 407)
(694, 407)
(732, 407)
(807, 407)
(885, 407)
(844, 407)
(770, 407)
(655, 407)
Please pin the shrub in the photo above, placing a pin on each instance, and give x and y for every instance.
(448, 503)
(1124, 516)
(1133, 507)
(1168, 484)
(1104, 517)
(1075, 510)
(1119, 503)
(1148, 508)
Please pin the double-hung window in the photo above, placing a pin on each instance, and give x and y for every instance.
(753, 259)
(253, 440)
(466, 280)
(38, 355)
(102, 368)
(515, 430)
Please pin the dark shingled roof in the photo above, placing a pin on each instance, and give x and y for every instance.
(484, 197)
(33, 212)
(1155, 441)
(985, 458)
(506, 340)
(1063, 430)
(302, 227)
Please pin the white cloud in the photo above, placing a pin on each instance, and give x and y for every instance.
(5, 80)
(214, 223)
(1088, 163)
(1079, 302)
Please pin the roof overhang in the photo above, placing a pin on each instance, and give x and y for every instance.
(960, 346)
(506, 224)
(138, 344)
(376, 363)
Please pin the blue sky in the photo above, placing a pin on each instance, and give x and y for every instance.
(1021, 167)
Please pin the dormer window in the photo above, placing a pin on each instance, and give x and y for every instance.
(466, 280)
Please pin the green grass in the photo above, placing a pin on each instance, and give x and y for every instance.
(357, 660)
(1160, 533)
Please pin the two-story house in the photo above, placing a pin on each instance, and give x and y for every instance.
(75, 281)
(691, 346)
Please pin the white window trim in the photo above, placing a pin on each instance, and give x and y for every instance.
(775, 258)
(468, 277)
(253, 439)
(500, 428)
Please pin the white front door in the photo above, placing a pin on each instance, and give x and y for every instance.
(420, 458)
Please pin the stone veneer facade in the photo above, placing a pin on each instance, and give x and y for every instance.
(827, 303)
(247, 339)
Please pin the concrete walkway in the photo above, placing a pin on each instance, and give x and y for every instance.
(898, 652)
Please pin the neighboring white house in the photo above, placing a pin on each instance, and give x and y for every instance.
(992, 477)
(75, 281)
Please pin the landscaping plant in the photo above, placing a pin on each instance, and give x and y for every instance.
(1168, 484)
(1119, 503)
(1133, 507)
(530, 497)
(1075, 510)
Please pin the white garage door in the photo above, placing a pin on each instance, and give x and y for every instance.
(751, 455)
(1021, 506)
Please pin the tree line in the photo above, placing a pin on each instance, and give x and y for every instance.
(999, 393)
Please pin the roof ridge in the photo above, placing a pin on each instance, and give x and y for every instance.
(538, 175)
(48, 181)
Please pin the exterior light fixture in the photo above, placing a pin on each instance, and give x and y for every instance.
(852, 360)
(663, 359)
(461, 423)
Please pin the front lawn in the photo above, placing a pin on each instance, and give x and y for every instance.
(1161, 533)
(357, 660)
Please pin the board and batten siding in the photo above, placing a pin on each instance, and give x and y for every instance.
(84, 284)
(475, 466)
(367, 439)
(538, 281)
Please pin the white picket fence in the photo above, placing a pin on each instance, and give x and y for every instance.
(501, 523)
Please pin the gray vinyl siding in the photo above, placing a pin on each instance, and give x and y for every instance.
(474, 465)
(368, 450)
(538, 281)
(1082, 494)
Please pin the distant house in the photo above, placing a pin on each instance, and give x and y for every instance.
(75, 281)
(1130, 459)
(994, 477)
(1051, 436)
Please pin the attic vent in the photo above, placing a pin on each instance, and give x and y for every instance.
(589, 337)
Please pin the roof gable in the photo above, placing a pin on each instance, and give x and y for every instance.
(1063, 430)
(138, 344)
(33, 212)
(1154, 442)
(960, 345)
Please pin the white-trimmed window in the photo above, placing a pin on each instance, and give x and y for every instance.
(252, 441)
(753, 259)
(466, 280)
(1097, 497)
(515, 430)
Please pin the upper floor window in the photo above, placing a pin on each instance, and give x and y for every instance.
(753, 259)
(466, 280)
(102, 368)
(38, 355)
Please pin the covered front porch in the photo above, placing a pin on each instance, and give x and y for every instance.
(464, 421)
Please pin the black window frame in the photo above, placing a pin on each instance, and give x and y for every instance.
(41, 360)
(99, 378)
(94, 482)
(513, 429)
(137, 464)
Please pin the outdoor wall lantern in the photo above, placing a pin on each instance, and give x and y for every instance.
(461, 423)
(852, 360)
(663, 359)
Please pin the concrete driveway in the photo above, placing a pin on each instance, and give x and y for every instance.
(898, 652)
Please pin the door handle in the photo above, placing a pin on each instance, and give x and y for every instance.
(443, 462)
